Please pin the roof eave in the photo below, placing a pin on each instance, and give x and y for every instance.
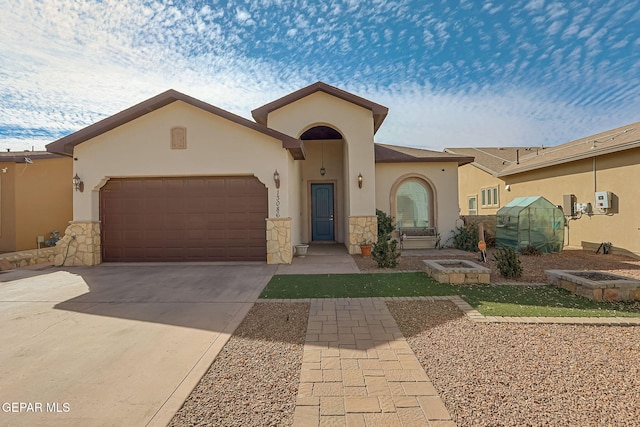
(581, 156)
(66, 144)
(485, 169)
(459, 160)
(379, 112)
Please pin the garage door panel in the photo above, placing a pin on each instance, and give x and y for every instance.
(182, 219)
(133, 239)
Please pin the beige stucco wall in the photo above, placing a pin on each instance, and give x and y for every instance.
(443, 178)
(471, 181)
(295, 201)
(215, 146)
(35, 199)
(355, 124)
(616, 172)
(7, 208)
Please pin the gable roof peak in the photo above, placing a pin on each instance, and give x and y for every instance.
(379, 111)
(65, 145)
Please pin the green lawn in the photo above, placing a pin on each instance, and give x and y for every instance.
(541, 301)
(354, 286)
(490, 300)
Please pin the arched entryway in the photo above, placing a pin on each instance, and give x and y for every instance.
(323, 172)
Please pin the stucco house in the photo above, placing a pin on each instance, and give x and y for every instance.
(593, 178)
(176, 179)
(35, 198)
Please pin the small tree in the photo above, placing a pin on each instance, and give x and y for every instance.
(466, 238)
(385, 250)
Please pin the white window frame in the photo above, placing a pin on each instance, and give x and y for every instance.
(469, 210)
(490, 197)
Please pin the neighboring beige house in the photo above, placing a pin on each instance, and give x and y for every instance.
(177, 179)
(601, 171)
(35, 198)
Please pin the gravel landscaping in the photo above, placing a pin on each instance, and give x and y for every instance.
(525, 375)
(487, 374)
(254, 379)
(533, 266)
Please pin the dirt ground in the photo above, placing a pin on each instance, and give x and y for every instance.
(533, 265)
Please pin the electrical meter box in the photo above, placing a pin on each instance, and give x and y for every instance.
(603, 199)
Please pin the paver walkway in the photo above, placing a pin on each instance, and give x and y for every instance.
(358, 370)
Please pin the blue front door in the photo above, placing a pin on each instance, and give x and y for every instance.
(322, 212)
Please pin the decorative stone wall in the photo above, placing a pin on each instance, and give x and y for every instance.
(609, 287)
(362, 229)
(80, 245)
(31, 257)
(457, 271)
(279, 249)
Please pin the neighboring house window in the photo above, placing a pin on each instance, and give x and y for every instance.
(472, 202)
(414, 207)
(489, 197)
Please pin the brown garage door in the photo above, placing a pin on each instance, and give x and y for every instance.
(184, 219)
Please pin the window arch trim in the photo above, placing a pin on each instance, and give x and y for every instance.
(431, 196)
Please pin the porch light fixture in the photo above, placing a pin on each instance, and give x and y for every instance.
(78, 185)
(359, 180)
(322, 169)
(276, 178)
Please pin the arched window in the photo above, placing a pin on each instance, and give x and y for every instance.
(414, 207)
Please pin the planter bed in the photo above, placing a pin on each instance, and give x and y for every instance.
(457, 271)
(596, 285)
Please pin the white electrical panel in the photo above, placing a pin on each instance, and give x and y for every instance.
(603, 199)
(583, 208)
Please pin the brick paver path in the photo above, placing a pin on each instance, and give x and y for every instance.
(358, 370)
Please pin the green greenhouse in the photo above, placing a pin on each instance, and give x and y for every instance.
(530, 221)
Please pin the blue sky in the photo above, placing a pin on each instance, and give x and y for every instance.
(453, 73)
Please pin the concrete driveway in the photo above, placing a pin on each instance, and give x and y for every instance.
(115, 344)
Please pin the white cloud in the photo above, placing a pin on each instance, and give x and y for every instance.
(67, 64)
(534, 5)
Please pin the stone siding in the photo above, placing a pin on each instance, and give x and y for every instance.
(31, 257)
(80, 245)
(279, 249)
(362, 229)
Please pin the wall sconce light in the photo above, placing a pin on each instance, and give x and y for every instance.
(276, 178)
(78, 185)
(322, 169)
(359, 180)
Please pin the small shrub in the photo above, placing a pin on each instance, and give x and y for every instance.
(508, 263)
(466, 238)
(385, 251)
(530, 250)
(385, 223)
